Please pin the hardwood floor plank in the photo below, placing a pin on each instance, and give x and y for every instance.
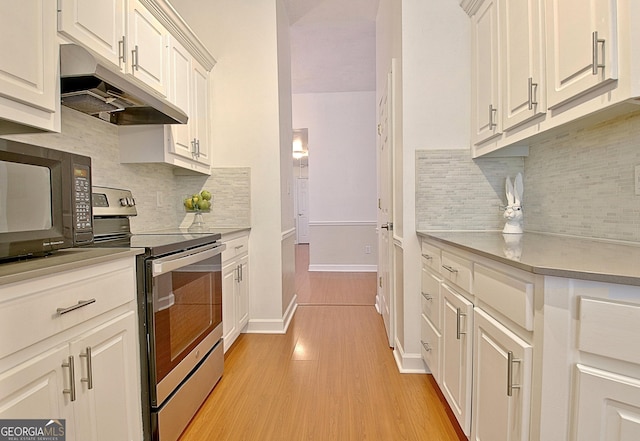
(332, 376)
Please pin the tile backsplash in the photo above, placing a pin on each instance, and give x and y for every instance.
(157, 190)
(578, 183)
(455, 192)
(581, 182)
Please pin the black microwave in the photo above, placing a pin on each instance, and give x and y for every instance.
(45, 200)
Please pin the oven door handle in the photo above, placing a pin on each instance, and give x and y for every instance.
(185, 258)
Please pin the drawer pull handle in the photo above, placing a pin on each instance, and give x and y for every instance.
(238, 247)
(510, 385)
(80, 304)
(426, 346)
(72, 379)
(427, 296)
(428, 257)
(450, 268)
(459, 315)
(89, 379)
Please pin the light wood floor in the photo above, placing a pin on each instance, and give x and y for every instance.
(331, 377)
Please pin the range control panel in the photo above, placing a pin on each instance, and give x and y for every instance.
(113, 202)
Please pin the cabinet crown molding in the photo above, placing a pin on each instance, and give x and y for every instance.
(179, 29)
(470, 6)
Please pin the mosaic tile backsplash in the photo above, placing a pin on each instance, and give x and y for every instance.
(157, 190)
(455, 192)
(578, 183)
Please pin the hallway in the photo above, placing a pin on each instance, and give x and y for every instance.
(331, 377)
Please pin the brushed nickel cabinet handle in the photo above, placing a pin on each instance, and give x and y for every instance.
(72, 379)
(428, 257)
(122, 50)
(80, 304)
(427, 296)
(450, 268)
(532, 101)
(459, 315)
(492, 111)
(425, 345)
(595, 65)
(134, 58)
(89, 379)
(510, 385)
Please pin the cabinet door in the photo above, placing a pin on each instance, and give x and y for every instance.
(100, 26)
(606, 406)
(148, 47)
(430, 290)
(229, 286)
(522, 61)
(34, 389)
(180, 141)
(29, 54)
(108, 409)
(582, 52)
(486, 111)
(457, 328)
(199, 115)
(243, 293)
(501, 382)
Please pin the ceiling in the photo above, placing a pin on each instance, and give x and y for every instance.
(333, 45)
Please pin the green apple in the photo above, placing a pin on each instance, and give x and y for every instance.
(204, 205)
(206, 195)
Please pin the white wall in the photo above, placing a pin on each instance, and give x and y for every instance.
(342, 177)
(431, 41)
(242, 36)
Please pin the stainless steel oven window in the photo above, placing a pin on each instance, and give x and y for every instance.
(186, 308)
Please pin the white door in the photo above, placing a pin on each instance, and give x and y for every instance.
(302, 194)
(582, 47)
(501, 359)
(180, 141)
(385, 211)
(106, 384)
(98, 25)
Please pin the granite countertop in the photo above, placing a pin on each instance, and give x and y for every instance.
(62, 260)
(552, 255)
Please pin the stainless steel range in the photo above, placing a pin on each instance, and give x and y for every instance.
(180, 309)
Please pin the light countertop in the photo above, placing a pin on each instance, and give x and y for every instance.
(552, 255)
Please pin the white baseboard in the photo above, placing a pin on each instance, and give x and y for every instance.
(344, 268)
(408, 363)
(274, 326)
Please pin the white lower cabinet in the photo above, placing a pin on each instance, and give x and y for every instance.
(457, 328)
(87, 371)
(235, 288)
(501, 381)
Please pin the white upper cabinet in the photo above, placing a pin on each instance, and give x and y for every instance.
(29, 91)
(100, 26)
(180, 95)
(582, 45)
(148, 43)
(522, 61)
(487, 111)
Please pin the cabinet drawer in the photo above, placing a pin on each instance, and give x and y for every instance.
(431, 256)
(236, 246)
(430, 347)
(430, 290)
(509, 295)
(608, 328)
(29, 310)
(457, 270)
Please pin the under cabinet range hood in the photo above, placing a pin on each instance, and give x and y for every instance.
(90, 85)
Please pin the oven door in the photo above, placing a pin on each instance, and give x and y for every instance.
(184, 313)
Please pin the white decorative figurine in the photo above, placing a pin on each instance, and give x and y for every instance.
(513, 211)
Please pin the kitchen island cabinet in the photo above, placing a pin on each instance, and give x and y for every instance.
(555, 332)
(29, 90)
(75, 355)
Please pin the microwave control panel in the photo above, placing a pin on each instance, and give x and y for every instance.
(82, 199)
